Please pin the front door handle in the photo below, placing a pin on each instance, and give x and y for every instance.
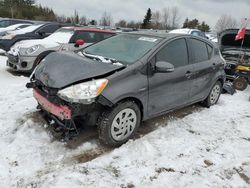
(188, 74)
(214, 66)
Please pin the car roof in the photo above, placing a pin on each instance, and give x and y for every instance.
(89, 29)
(157, 34)
(184, 30)
(165, 35)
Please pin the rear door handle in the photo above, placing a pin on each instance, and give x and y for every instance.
(188, 74)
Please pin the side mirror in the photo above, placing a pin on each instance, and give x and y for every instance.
(79, 42)
(163, 66)
(41, 33)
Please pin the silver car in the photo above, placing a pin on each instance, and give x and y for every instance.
(26, 54)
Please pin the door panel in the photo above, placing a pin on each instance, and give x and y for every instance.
(169, 90)
(172, 89)
(204, 68)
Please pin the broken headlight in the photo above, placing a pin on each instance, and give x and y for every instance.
(83, 92)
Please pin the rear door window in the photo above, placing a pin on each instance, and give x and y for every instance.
(48, 29)
(92, 37)
(175, 53)
(199, 50)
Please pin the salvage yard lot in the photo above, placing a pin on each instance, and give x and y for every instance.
(202, 147)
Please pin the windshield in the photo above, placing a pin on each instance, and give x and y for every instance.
(62, 35)
(4, 23)
(125, 48)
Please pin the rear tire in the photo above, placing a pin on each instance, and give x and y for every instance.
(214, 95)
(118, 125)
(240, 83)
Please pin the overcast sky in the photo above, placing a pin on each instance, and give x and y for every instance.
(204, 10)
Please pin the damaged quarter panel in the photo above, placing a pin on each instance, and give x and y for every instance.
(61, 69)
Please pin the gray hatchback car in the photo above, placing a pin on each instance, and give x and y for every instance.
(126, 79)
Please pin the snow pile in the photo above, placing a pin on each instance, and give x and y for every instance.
(207, 148)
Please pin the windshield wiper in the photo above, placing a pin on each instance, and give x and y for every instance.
(102, 58)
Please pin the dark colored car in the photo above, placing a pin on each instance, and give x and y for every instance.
(237, 56)
(8, 22)
(127, 79)
(40, 31)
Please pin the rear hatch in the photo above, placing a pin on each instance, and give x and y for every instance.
(231, 49)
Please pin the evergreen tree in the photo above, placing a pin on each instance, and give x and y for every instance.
(25, 9)
(204, 27)
(93, 22)
(195, 24)
(185, 24)
(147, 19)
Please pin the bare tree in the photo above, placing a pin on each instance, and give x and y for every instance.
(243, 22)
(106, 19)
(76, 17)
(174, 17)
(225, 22)
(166, 18)
(156, 20)
(61, 19)
(133, 24)
(121, 23)
(83, 20)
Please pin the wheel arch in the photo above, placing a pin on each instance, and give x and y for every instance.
(42, 55)
(137, 101)
(221, 80)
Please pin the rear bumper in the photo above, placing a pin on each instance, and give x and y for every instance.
(61, 111)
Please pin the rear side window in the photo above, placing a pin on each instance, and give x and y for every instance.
(195, 33)
(50, 28)
(199, 50)
(210, 51)
(92, 37)
(174, 52)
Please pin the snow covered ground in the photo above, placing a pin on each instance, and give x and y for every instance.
(203, 148)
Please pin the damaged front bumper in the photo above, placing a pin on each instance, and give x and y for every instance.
(66, 117)
(61, 111)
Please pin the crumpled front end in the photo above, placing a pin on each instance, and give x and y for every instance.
(65, 117)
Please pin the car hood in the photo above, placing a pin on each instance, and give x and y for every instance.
(227, 41)
(61, 69)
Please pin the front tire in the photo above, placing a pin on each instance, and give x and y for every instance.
(118, 125)
(214, 95)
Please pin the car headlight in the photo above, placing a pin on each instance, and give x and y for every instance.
(8, 37)
(84, 92)
(32, 49)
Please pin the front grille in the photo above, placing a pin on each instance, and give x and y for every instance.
(49, 93)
